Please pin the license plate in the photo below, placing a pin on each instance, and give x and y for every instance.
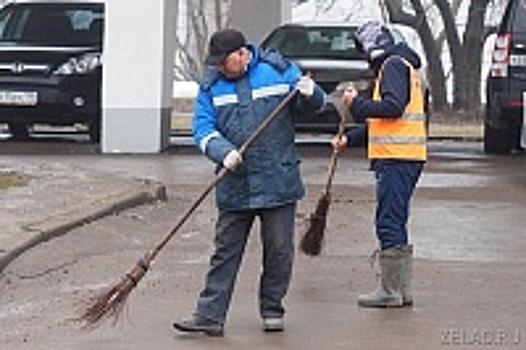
(18, 98)
(518, 60)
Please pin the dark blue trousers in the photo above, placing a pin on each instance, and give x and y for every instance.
(395, 182)
(232, 231)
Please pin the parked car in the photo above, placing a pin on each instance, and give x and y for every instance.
(50, 64)
(328, 51)
(506, 83)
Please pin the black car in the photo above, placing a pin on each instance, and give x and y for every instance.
(50, 64)
(506, 83)
(328, 51)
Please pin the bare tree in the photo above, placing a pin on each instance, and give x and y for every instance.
(465, 49)
(435, 22)
(417, 19)
(194, 27)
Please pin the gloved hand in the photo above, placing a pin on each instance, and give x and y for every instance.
(305, 86)
(339, 144)
(232, 159)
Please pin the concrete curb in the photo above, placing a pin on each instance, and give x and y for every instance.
(143, 192)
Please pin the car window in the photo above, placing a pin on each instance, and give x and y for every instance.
(326, 42)
(55, 24)
(519, 18)
(4, 18)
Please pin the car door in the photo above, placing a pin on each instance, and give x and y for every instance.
(517, 67)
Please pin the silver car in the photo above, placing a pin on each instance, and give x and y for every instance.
(328, 51)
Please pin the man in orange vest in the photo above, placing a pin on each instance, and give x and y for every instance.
(396, 144)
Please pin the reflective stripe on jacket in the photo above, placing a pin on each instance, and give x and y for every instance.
(404, 137)
(228, 112)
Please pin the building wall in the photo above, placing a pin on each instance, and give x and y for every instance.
(256, 18)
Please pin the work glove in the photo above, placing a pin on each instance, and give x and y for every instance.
(305, 86)
(232, 159)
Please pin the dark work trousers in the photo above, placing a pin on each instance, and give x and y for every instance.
(395, 182)
(232, 230)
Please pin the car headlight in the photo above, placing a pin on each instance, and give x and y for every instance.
(80, 65)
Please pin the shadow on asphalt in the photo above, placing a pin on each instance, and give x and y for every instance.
(48, 145)
(70, 144)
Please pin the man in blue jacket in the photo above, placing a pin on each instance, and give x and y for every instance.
(241, 87)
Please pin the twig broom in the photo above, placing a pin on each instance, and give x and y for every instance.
(312, 240)
(110, 303)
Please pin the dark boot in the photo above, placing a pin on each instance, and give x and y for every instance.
(199, 324)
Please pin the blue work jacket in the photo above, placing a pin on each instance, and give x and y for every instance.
(228, 111)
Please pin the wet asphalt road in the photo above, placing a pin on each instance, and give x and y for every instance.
(468, 224)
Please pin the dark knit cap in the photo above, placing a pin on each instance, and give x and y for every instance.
(222, 43)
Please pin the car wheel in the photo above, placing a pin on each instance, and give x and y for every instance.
(94, 130)
(19, 131)
(497, 141)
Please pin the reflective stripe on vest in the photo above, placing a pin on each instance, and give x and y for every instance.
(404, 137)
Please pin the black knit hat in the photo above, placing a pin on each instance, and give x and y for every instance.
(222, 43)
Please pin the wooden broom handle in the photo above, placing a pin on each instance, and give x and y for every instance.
(267, 121)
(334, 156)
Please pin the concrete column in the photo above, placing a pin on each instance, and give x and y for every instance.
(138, 74)
(256, 17)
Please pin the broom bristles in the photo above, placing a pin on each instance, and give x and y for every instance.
(312, 241)
(110, 303)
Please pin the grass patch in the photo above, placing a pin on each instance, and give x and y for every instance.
(12, 179)
(458, 124)
(461, 131)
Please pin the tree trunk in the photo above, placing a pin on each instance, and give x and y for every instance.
(468, 84)
(435, 71)
(466, 57)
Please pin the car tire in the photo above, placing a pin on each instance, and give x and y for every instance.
(19, 131)
(497, 141)
(94, 130)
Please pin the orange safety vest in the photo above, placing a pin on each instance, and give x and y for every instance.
(404, 137)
